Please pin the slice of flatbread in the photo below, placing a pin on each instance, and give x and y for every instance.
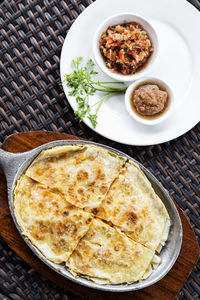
(83, 174)
(133, 206)
(105, 255)
(51, 223)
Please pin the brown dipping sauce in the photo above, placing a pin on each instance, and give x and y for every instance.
(149, 100)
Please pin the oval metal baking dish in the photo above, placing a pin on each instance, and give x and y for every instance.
(15, 164)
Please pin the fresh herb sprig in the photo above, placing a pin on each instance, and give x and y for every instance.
(82, 86)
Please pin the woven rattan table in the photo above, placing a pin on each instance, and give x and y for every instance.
(32, 34)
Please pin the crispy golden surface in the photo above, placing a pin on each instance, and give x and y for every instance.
(133, 206)
(106, 254)
(82, 174)
(87, 207)
(51, 223)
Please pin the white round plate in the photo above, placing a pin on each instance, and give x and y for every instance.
(178, 63)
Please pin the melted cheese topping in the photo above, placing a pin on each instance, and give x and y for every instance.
(83, 175)
(132, 205)
(105, 253)
(64, 194)
(49, 221)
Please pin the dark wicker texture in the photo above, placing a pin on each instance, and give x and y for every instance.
(32, 34)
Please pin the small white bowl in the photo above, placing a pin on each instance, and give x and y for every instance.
(119, 19)
(151, 80)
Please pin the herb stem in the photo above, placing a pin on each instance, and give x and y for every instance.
(82, 86)
(106, 90)
(110, 88)
(102, 100)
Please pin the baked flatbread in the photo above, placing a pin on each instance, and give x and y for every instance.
(133, 206)
(105, 255)
(83, 174)
(52, 224)
(91, 209)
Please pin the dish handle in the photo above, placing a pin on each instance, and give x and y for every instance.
(10, 163)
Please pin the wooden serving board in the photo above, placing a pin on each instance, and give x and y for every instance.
(166, 288)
